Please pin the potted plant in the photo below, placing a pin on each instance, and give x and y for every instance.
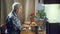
(41, 14)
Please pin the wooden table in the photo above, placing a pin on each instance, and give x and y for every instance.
(27, 32)
(31, 32)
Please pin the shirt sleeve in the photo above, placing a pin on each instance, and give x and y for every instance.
(9, 24)
(16, 23)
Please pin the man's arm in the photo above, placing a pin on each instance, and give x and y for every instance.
(9, 24)
(16, 23)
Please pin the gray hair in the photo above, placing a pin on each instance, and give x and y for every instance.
(15, 5)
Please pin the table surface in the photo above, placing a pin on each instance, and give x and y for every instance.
(27, 32)
(30, 32)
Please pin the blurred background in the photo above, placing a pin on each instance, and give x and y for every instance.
(28, 6)
(52, 12)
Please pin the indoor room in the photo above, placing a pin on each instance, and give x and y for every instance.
(29, 17)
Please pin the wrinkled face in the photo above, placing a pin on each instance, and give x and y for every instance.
(19, 10)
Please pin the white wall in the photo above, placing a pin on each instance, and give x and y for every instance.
(52, 12)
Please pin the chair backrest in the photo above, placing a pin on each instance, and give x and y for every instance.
(3, 27)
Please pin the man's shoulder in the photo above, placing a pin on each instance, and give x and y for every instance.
(10, 15)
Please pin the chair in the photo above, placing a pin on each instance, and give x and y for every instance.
(3, 27)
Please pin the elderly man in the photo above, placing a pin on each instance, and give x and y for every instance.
(13, 23)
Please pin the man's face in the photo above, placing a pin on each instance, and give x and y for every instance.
(19, 10)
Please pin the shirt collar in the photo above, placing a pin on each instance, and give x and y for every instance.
(14, 14)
